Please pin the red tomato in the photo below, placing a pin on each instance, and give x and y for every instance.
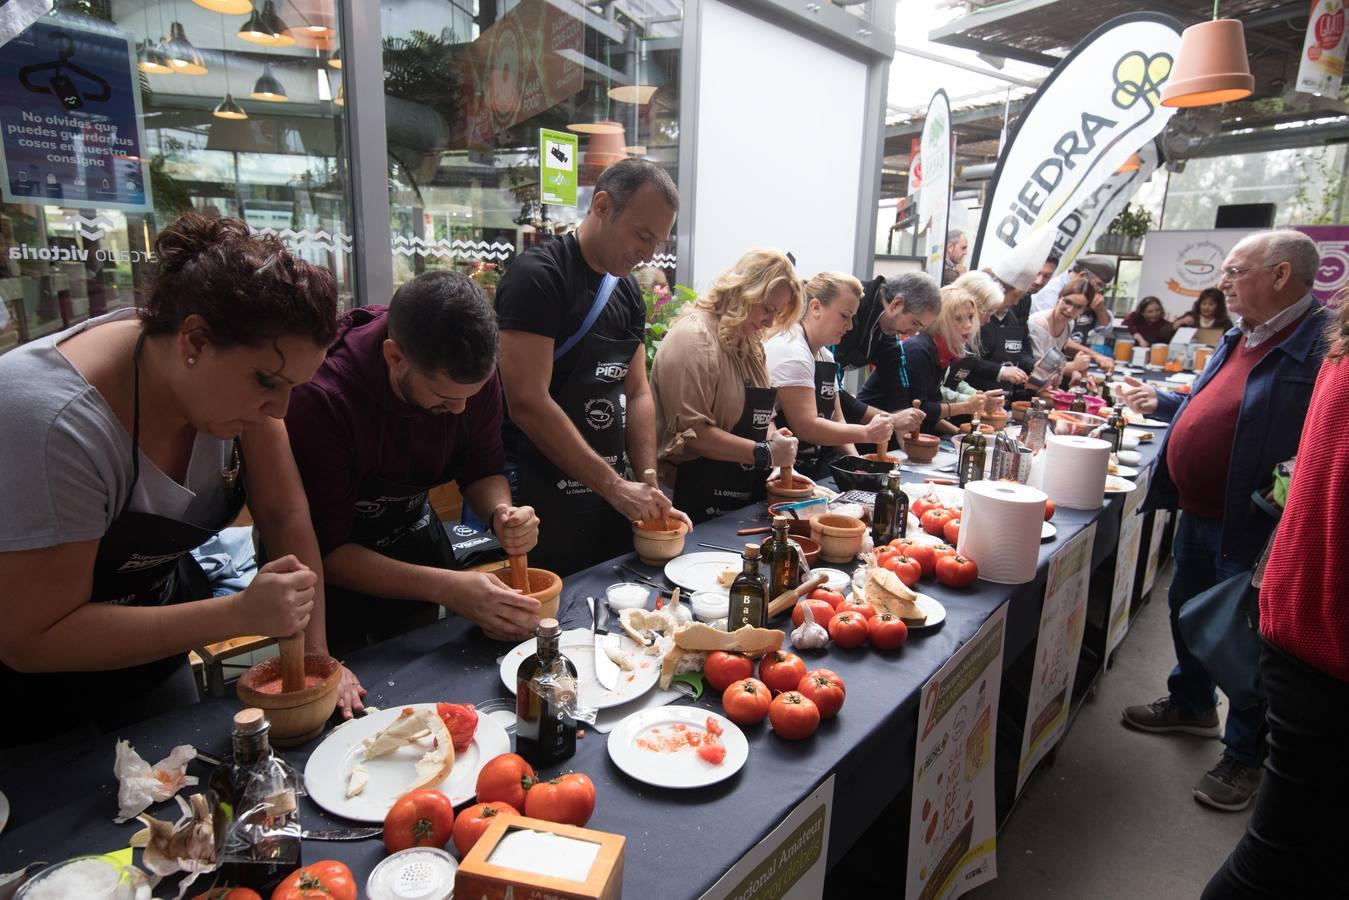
(462, 720)
(506, 778)
(1049, 510)
(569, 799)
(923, 554)
(957, 571)
(472, 822)
(857, 606)
(746, 701)
(832, 597)
(887, 632)
(825, 690)
(229, 893)
(422, 818)
(822, 610)
(907, 568)
(794, 716)
(934, 521)
(848, 630)
(885, 554)
(922, 505)
(942, 550)
(952, 532)
(721, 669)
(326, 880)
(713, 753)
(781, 671)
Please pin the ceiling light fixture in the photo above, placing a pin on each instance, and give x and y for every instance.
(269, 88)
(1211, 66)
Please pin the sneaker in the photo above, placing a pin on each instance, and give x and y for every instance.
(1163, 716)
(1228, 786)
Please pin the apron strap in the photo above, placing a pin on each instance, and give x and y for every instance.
(606, 288)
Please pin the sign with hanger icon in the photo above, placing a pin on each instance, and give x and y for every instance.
(70, 118)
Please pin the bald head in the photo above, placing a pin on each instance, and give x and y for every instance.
(1288, 246)
(1268, 272)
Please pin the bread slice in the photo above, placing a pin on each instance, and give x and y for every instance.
(679, 661)
(887, 593)
(751, 641)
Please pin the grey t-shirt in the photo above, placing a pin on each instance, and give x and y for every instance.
(65, 459)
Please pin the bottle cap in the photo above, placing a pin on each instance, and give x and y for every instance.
(751, 551)
(780, 522)
(548, 628)
(249, 720)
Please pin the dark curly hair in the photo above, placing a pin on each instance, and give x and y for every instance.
(250, 289)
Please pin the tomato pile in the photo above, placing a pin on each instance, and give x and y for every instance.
(912, 561)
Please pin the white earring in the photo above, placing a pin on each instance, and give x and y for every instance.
(191, 360)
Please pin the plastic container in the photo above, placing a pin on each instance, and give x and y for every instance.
(86, 877)
(626, 595)
(421, 873)
(710, 607)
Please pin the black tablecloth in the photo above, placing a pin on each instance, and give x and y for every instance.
(679, 842)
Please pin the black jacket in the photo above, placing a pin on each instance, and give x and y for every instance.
(862, 345)
(915, 361)
(1005, 342)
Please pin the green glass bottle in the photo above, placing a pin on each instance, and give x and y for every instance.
(890, 518)
(749, 594)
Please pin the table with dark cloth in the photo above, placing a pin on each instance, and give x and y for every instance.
(678, 842)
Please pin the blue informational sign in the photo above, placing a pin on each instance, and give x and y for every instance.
(70, 132)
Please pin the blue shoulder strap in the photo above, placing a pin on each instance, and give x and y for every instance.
(607, 286)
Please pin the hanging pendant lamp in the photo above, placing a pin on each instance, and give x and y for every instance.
(269, 88)
(649, 79)
(229, 109)
(341, 98)
(1211, 65)
(151, 59)
(335, 61)
(1132, 164)
(266, 28)
(593, 116)
(227, 7)
(184, 58)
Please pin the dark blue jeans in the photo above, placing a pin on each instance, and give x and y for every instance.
(1200, 566)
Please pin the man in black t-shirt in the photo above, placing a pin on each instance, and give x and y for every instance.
(573, 365)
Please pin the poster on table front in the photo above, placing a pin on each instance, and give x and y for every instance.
(1333, 243)
(70, 117)
(1099, 105)
(1126, 564)
(1177, 265)
(953, 823)
(934, 200)
(1159, 520)
(1063, 620)
(790, 863)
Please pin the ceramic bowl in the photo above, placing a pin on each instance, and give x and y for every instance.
(1019, 409)
(299, 716)
(839, 537)
(656, 545)
(1079, 424)
(544, 587)
(922, 448)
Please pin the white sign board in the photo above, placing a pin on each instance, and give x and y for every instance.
(1323, 50)
(1126, 564)
(790, 863)
(1159, 520)
(1177, 265)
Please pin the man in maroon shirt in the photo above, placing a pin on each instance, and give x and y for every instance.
(407, 399)
(1243, 416)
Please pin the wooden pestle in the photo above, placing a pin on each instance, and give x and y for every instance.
(649, 476)
(788, 599)
(292, 662)
(917, 404)
(520, 573)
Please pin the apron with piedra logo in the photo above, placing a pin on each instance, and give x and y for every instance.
(708, 487)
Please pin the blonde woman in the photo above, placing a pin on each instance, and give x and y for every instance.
(916, 368)
(802, 370)
(710, 383)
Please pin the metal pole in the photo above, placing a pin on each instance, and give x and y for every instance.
(367, 150)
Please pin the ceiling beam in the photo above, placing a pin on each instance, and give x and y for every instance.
(996, 48)
(986, 71)
(958, 118)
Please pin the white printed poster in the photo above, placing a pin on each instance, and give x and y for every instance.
(1062, 623)
(953, 824)
(1321, 68)
(1159, 520)
(1177, 265)
(790, 863)
(1126, 564)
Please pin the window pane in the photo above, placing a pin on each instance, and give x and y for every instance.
(119, 115)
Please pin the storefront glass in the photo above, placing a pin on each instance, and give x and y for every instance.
(119, 115)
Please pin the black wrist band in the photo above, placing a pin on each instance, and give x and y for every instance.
(762, 457)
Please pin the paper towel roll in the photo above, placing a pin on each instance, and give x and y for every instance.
(1075, 470)
(1000, 530)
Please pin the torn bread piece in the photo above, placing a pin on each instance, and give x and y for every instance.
(679, 661)
(639, 623)
(619, 658)
(357, 780)
(887, 593)
(410, 727)
(693, 642)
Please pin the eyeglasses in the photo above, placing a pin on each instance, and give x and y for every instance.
(1232, 273)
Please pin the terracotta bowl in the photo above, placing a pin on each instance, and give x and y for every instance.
(997, 419)
(922, 448)
(795, 526)
(811, 548)
(297, 717)
(544, 587)
(1019, 409)
(777, 492)
(839, 537)
(656, 545)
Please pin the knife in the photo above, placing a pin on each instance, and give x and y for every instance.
(606, 670)
(342, 834)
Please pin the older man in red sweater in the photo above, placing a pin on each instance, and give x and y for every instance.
(1243, 416)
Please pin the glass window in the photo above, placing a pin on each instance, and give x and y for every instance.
(1307, 186)
(468, 85)
(116, 116)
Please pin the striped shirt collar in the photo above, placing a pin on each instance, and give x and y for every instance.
(1258, 334)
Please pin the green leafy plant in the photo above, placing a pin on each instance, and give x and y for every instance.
(663, 305)
(1133, 222)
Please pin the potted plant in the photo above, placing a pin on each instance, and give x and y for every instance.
(1124, 237)
(662, 306)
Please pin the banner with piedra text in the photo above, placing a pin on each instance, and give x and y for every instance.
(1081, 227)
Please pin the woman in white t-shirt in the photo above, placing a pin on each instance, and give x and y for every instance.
(802, 369)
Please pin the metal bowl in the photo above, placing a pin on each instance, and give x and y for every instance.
(854, 473)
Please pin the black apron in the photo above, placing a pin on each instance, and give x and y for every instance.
(708, 487)
(577, 527)
(138, 563)
(814, 461)
(395, 520)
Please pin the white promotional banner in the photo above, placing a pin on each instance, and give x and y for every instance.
(1098, 106)
(1063, 621)
(1177, 265)
(1323, 50)
(1126, 564)
(1159, 520)
(1081, 227)
(934, 200)
(953, 823)
(790, 863)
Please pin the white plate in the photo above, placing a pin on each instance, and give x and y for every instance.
(683, 768)
(330, 764)
(1047, 531)
(1183, 378)
(1149, 424)
(838, 579)
(699, 571)
(936, 613)
(579, 647)
(1116, 485)
(1125, 472)
(1130, 456)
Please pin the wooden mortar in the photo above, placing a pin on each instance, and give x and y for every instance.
(544, 587)
(297, 716)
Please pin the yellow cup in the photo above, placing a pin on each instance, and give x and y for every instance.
(1201, 358)
(1124, 350)
(1159, 354)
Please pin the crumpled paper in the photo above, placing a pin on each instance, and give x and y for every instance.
(140, 784)
(187, 845)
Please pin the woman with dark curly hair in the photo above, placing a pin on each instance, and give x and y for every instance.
(1147, 323)
(1209, 311)
(128, 440)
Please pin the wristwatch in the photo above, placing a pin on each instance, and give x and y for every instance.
(762, 458)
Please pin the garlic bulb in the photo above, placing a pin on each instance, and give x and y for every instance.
(810, 635)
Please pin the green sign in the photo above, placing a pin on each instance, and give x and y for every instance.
(557, 167)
